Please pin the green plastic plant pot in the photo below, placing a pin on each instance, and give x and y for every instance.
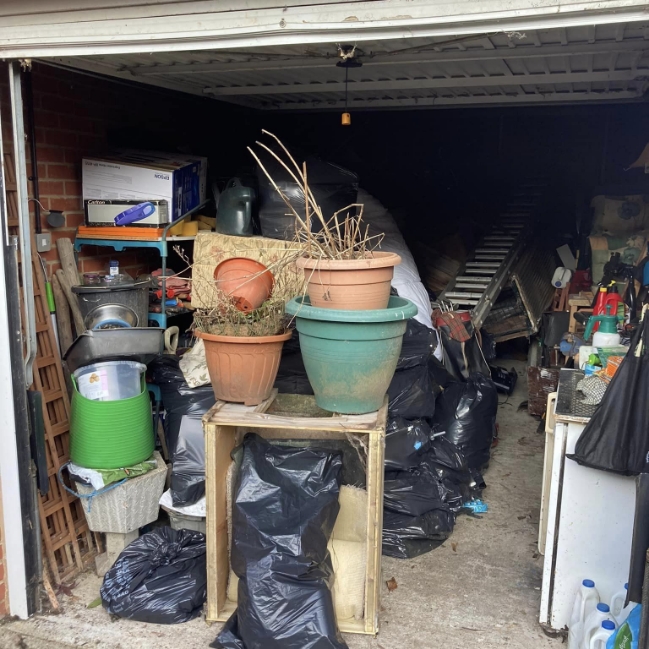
(110, 434)
(350, 356)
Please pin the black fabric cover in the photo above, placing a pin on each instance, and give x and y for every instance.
(284, 510)
(160, 578)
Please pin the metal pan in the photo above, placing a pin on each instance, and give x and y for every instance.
(140, 344)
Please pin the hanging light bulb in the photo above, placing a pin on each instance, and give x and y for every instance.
(346, 119)
(348, 60)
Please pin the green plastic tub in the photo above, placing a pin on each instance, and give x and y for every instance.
(111, 434)
(350, 356)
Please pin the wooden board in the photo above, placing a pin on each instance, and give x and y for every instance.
(121, 232)
(298, 418)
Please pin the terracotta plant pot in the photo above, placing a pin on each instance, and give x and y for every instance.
(246, 280)
(350, 284)
(243, 369)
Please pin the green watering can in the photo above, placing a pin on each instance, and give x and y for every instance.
(234, 214)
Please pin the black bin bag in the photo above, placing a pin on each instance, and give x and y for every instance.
(466, 413)
(160, 578)
(405, 537)
(285, 506)
(412, 390)
(184, 408)
(405, 443)
(617, 436)
(412, 494)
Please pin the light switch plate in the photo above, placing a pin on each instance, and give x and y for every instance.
(44, 242)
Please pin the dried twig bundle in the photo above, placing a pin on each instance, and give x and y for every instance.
(341, 236)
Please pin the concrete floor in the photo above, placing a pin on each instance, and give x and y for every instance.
(481, 588)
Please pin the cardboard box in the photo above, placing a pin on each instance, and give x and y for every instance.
(111, 178)
(102, 212)
(137, 156)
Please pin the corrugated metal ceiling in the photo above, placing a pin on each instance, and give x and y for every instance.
(575, 64)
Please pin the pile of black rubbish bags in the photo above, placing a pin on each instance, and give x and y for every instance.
(438, 440)
(439, 437)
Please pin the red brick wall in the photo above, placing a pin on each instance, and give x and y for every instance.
(77, 115)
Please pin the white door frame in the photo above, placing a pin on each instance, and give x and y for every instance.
(10, 477)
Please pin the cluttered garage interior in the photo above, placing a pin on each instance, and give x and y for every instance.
(324, 333)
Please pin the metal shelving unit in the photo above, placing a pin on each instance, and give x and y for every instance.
(161, 245)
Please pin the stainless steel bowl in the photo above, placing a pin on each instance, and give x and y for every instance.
(111, 316)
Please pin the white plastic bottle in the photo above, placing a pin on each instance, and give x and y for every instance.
(585, 602)
(601, 636)
(617, 601)
(594, 621)
(618, 610)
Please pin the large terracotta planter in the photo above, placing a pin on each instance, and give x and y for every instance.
(249, 282)
(243, 369)
(350, 284)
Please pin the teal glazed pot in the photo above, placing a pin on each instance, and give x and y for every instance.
(350, 356)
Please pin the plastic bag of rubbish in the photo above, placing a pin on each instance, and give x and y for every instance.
(445, 462)
(405, 537)
(160, 578)
(412, 494)
(466, 412)
(188, 463)
(184, 408)
(405, 443)
(285, 506)
(411, 393)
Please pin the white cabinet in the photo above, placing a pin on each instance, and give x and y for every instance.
(589, 517)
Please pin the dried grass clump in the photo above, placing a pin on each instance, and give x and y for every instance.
(226, 320)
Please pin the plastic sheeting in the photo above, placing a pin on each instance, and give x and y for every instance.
(160, 578)
(284, 510)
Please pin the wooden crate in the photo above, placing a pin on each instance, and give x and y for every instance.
(286, 416)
